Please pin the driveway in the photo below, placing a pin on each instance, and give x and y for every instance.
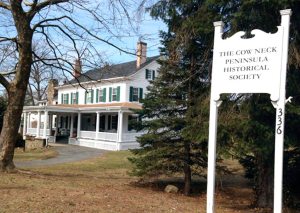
(66, 153)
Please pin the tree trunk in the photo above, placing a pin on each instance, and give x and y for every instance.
(17, 88)
(264, 184)
(187, 170)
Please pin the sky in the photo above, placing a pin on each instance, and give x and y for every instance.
(148, 32)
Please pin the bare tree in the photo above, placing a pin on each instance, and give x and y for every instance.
(71, 29)
(40, 75)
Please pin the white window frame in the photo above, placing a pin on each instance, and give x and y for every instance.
(100, 95)
(74, 97)
(135, 94)
(89, 96)
(65, 98)
(114, 94)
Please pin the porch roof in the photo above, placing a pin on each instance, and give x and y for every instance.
(125, 106)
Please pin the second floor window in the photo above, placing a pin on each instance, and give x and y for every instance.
(114, 93)
(150, 74)
(102, 95)
(135, 94)
(65, 98)
(89, 96)
(74, 98)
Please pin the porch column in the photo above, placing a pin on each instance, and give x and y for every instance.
(78, 124)
(28, 120)
(50, 123)
(25, 125)
(106, 122)
(45, 124)
(97, 124)
(56, 125)
(120, 126)
(71, 126)
(38, 124)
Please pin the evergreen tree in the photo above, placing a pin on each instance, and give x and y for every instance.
(176, 139)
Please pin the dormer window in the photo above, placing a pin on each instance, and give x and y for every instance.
(150, 74)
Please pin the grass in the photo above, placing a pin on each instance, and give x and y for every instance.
(102, 185)
(36, 154)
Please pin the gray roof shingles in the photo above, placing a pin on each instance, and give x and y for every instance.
(111, 71)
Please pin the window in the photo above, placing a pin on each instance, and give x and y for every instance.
(131, 122)
(74, 98)
(150, 74)
(102, 123)
(65, 98)
(101, 95)
(89, 96)
(135, 94)
(112, 122)
(114, 93)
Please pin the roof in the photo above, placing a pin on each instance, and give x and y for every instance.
(128, 105)
(111, 71)
(84, 107)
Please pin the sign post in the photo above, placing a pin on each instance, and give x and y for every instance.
(254, 65)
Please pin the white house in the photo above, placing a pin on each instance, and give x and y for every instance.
(94, 109)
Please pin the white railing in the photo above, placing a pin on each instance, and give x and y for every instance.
(32, 131)
(87, 134)
(51, 139)
(108, 136)
(130, 136)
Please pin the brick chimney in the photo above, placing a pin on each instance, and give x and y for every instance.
(51, 91)
(141, 54)
(77, 68)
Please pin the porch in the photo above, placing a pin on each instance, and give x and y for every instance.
(103, 128)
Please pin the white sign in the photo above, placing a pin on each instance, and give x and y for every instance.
(254, 65)
(248, 65)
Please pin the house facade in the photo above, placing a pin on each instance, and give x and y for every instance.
(95, 108)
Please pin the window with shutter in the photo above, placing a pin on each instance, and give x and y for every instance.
(130, 94)
(104, 95)
(118, 93)
(141, 94)
(97, 95)
(110, 93)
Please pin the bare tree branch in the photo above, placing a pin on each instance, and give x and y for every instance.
(5, 6)
(36, 7)
(4, 82)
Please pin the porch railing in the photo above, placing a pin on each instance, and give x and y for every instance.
(130, 136)
(88, 134)
(108, 136)
(32, 131)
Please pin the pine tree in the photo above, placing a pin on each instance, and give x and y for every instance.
(176, 139)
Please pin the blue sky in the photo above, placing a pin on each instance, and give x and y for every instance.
(148, 32)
